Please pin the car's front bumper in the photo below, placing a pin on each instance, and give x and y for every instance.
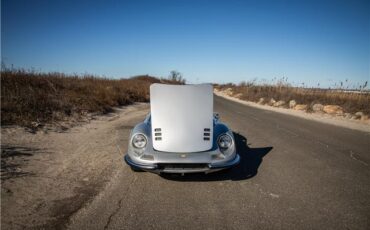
(182, 167)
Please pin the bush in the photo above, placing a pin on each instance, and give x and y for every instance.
(27, 96)
(351, 101)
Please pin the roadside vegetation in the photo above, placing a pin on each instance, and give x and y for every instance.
(29, 97)
(281, 94)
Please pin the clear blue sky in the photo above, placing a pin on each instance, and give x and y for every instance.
(207, 41)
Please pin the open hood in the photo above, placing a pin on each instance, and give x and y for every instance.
(181, 117)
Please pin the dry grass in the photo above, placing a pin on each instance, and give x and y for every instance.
(28, 97)
(351, 102)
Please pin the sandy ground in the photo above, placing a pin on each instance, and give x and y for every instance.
(49, 175)
(322, 117)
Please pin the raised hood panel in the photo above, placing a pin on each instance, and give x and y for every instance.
(180, 116)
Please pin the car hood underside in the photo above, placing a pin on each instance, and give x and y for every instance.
(181, 117)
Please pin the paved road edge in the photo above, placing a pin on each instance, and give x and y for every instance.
(337, 121)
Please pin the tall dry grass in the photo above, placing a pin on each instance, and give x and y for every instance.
(27, 96)
(351, 101)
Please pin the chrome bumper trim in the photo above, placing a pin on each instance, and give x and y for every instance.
(211, 167)
(228, 164)
(140, 166)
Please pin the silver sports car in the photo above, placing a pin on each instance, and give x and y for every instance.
(181, 134)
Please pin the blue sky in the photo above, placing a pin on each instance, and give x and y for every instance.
(208, 41)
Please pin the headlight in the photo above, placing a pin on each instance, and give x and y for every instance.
(139, 141)
(224, 141)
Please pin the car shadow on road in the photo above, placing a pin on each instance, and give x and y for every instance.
(250, 161)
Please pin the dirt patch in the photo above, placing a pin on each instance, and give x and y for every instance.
(48, 175)
(64, 208)
(13, 158)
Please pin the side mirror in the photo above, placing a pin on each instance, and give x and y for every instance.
(216, 116)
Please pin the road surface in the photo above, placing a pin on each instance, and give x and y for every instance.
(294, 174)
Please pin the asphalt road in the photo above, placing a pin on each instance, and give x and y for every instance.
(294, 174)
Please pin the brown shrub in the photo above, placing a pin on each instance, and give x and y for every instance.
(351, 102)
(27, 96)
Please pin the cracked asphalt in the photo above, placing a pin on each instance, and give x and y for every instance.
(294, 174)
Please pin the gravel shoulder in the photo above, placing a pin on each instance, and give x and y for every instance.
(47, 176)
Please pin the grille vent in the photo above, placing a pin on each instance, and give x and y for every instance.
(207, 134)
(158, 134)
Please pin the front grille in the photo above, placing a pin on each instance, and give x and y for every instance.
(183, 166)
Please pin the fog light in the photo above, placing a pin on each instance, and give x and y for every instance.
(147, 157)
